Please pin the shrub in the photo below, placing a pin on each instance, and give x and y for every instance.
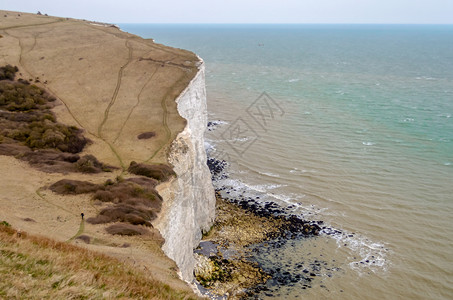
(136, 200)
(147, 183)
(27, 107)
(146, 135)
(4, 223)
(126, 229)
(85, 238)
(8, 72)
(90, 164)
(124, 213)
(17, 96)
(160, 172)
(75, 187)
(104, 196)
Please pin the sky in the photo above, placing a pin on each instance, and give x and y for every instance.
(244, 11)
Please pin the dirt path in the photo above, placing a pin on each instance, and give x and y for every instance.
(117, 88)
(81, 230)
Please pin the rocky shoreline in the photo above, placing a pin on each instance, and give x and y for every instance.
(226, 267)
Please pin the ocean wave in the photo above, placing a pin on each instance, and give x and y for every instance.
(425, 78)
(239, 186)
(365, 255)
(444, 115)
(269, 174)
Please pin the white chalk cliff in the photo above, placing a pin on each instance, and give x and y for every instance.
(189, 200)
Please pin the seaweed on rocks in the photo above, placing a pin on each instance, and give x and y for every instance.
(217, 167)
(287, 227)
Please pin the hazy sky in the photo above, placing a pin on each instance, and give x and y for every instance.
(243, 11)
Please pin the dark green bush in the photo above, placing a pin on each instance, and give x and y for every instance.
(16, 96)
(8, 72)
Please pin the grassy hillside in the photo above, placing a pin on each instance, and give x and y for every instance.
(33, 267)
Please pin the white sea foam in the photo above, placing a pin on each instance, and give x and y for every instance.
(444, 115)
(298, 171)
(368, 143)
(365, 254)
(425, 78)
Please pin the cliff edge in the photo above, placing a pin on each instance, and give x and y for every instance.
(189, 199)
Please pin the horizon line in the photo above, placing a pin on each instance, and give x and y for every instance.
(236, 23)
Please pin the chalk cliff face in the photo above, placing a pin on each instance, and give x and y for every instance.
(189, 201)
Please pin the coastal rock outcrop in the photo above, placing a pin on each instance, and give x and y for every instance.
(189, 199)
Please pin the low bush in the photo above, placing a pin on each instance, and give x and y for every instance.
(104, 196)
(26, 120)
(8, 72)
(74, 187)
(146, 183)
(124, 213)
(161, 172)
(136, 200)
(146, 135)
(4, 223)
(85, 238)
(126, 229)
(90, 164)
(17, 96)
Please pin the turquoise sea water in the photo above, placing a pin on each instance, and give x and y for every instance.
(359, 134)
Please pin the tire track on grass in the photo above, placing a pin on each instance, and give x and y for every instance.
(31, 25)
(117, 89)
(135, 105)
(112, 102)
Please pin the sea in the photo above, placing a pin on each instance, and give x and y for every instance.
(348, 124)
